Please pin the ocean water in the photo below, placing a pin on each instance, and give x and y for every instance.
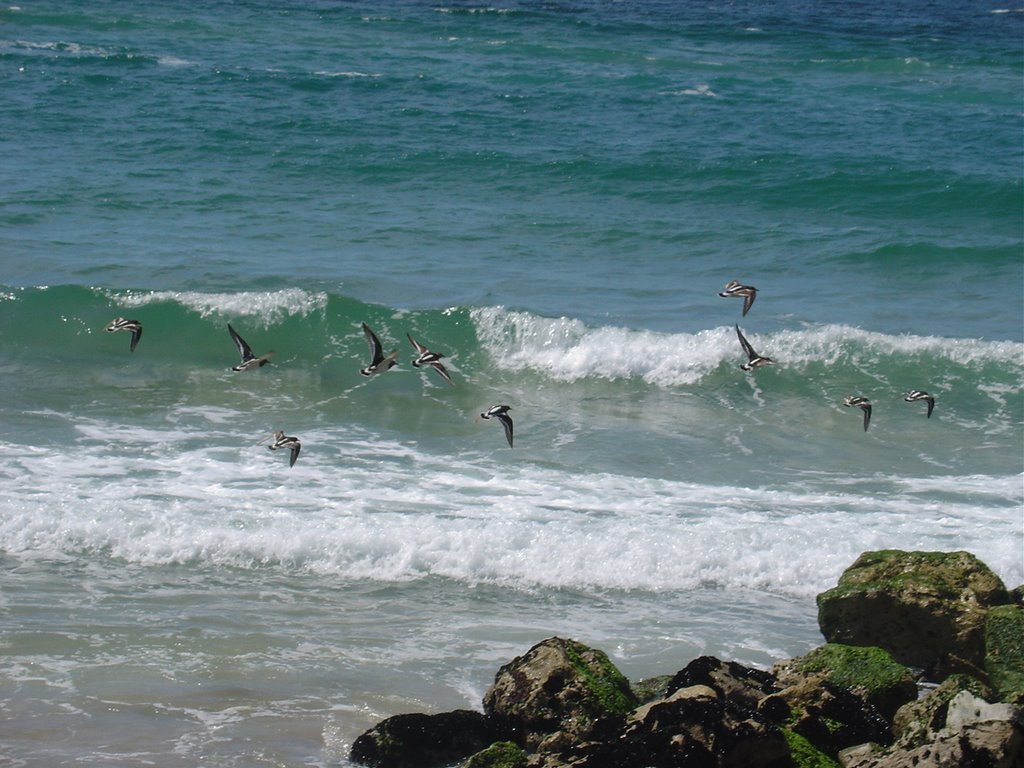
(552, 194)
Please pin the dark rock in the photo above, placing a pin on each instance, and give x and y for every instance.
(1017, 595)
(558, 686)
(741, 685)
(424, 741)
(831, 717)
(695, 727)
(869, 673)
(927, 609)
(1004, 651)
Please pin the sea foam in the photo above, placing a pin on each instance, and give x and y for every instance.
(355, 507)
(268, 306)
(568, 350)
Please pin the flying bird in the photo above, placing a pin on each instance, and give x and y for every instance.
(500, 412)
(748, 292)
(281, 440)
(425, 357)
(916, 394)
(249, 361)
(120, 324)
(378, 363)
(855, 401)
(754, 360)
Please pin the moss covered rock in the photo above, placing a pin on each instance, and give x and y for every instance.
(559, 686)
(869, 672)
(804, 754)
(1004, 651)
(829, 716)
(927, 609)
(501, 754)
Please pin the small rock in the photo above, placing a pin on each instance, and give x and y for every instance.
(742, 685)
(501, 754)
(917, 722)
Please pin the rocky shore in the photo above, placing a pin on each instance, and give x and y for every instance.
(923, 665)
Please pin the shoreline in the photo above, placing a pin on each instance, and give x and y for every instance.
(924, 656)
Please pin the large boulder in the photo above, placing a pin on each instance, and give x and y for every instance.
(927, 609)
(559, 692)
(423, 741)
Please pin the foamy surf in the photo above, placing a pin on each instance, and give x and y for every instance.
(360, 507)
(568, 350)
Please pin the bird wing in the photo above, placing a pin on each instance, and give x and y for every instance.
(867, 415)
(244, 351)
(296, 447)
(748, 301)
(420, 349)
(443, 371)
(376, 352)
(751, 354)
(506, 422)
(136, 335)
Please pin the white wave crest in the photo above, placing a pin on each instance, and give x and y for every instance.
(268, 306)
(567, 350)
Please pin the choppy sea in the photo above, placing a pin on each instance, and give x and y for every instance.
(552, 194)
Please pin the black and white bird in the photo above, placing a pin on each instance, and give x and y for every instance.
(249, 361)
(425, 357)
(916, 394)
(120, 324)
(856, 401)
(754, 360)
(500, 412)
(747, 292)
(281, 440)
(378, 362)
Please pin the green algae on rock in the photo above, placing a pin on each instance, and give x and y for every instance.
(560, 688)
(1004, 651)
(804, 754)
(501, 754)
(867, 671)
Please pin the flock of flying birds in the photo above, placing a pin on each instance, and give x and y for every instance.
(748, 293)
(380, 363)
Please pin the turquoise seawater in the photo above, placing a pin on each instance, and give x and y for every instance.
(552, 194)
